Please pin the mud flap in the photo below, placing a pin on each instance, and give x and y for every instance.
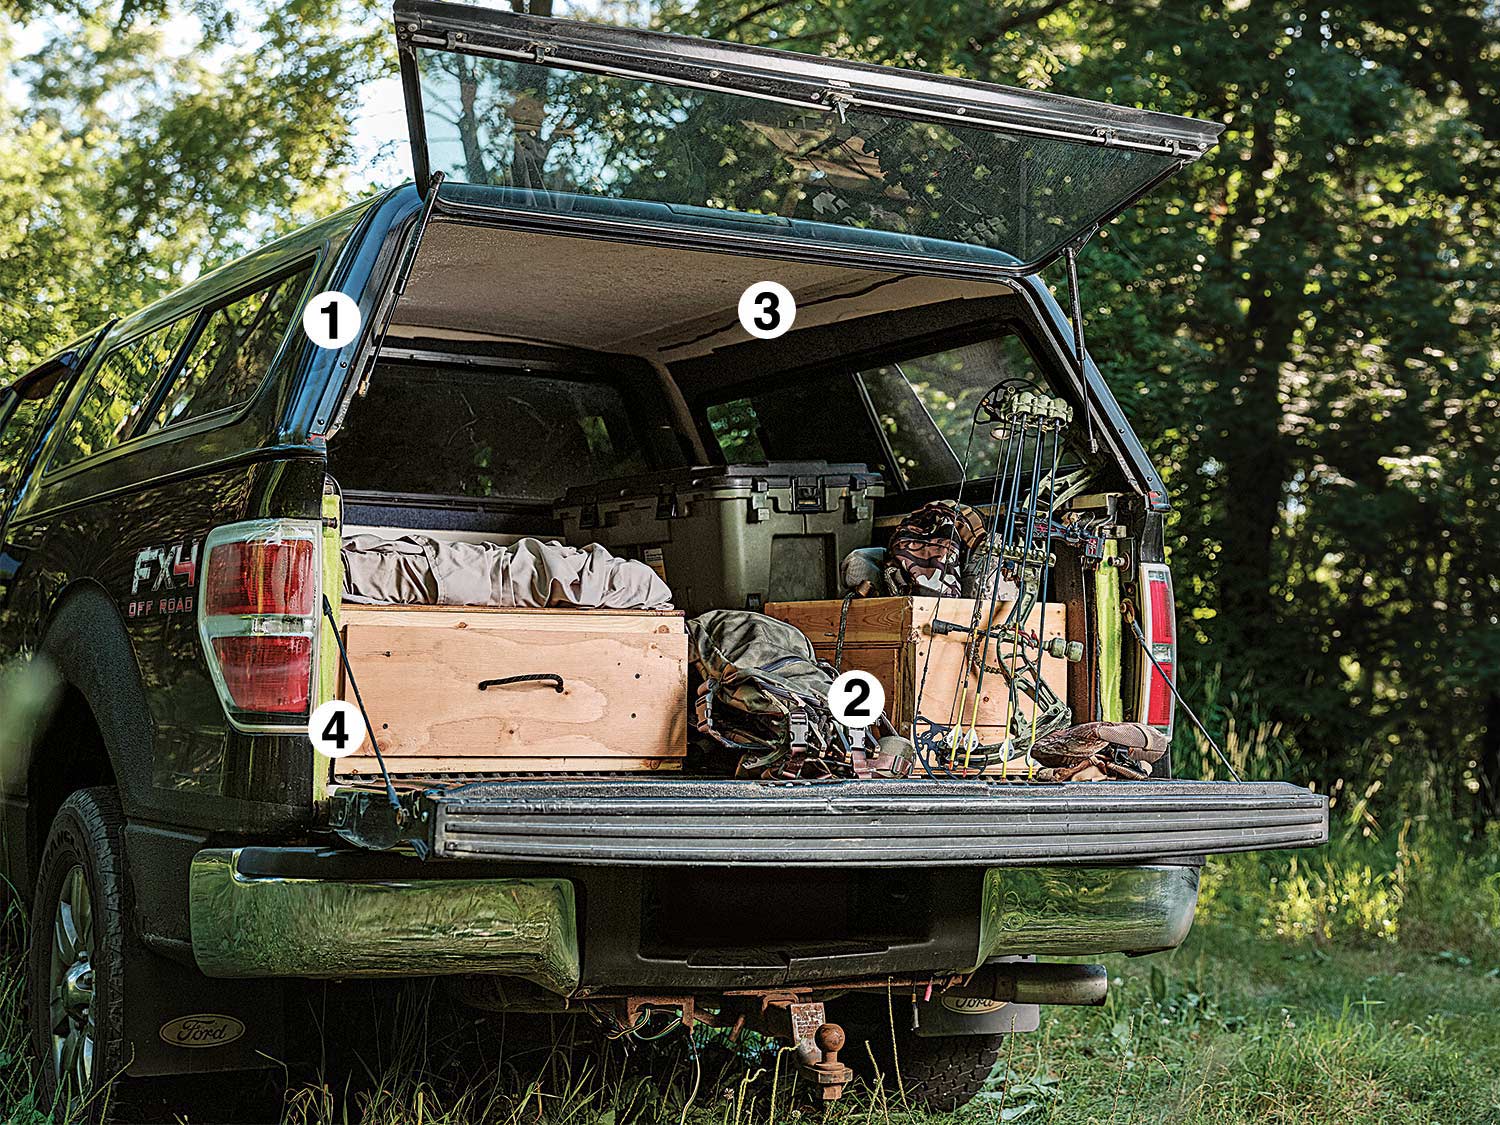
(178, 1021)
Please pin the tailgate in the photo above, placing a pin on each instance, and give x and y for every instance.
(655, 822)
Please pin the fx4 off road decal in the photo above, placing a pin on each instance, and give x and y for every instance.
(165, 579)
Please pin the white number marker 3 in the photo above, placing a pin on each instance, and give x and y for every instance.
(767, 310)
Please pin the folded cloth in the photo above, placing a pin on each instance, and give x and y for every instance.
(416, 570)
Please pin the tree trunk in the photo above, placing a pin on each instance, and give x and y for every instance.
(468, 122)
(1253, 450)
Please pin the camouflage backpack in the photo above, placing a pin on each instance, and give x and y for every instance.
(930, 547)
(761, 690)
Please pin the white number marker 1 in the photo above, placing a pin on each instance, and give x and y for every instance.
(331, 319)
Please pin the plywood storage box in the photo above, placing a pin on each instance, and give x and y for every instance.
(890, 638)
(623, 703)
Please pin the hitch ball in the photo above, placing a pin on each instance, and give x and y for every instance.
(828, 1074)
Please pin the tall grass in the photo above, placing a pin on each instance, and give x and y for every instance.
(1425, 882)
(18, 1096)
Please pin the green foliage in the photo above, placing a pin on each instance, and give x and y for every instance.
(139, 148)
(1305, 330)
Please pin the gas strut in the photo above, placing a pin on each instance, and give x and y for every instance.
(1080, 361)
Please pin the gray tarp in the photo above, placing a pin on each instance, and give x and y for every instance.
(416, 570)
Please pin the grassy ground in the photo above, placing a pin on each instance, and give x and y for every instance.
(1357, 985)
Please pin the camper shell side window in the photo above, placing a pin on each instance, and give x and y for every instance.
(235, 344)
(208, 360)
(119, 391)
(25, 410)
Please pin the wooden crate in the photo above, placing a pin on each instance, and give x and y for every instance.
(890, 637)
(623, 704)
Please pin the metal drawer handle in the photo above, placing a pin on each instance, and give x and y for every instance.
(543, 677)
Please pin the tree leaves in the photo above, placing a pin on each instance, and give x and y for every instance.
(1303, 329)
(154, 143)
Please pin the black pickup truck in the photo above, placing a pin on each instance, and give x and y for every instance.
(549, 306)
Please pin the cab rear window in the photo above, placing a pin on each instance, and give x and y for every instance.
(908, 420)
(818, 419)
(489, 433)
(925, 406)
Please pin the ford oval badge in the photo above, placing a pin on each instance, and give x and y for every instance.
(204, 1030)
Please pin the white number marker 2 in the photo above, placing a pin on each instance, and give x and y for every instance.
(856, 699)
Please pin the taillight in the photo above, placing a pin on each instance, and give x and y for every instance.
(257, 578)
(1159, 624)
(258, 619)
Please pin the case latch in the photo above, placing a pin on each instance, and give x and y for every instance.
(667, 507)
(808, 495)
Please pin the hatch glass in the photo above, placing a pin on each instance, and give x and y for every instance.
(924, 166)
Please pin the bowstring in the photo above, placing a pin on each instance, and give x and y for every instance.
(1030, 664)
(937, 608)
(975, 636)
(1014, 619)
(1004, 501)
(1007, 479)
(1016, 452)
(1041, 631)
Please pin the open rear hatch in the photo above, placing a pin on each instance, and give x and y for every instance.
(620, 127)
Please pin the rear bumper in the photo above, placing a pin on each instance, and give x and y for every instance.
(930, 822)
(298, 912)
(308, 912)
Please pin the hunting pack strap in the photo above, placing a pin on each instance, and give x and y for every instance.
(762, 691)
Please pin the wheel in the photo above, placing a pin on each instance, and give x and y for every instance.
(943, 1073)
(75, 964)
(939, 1073)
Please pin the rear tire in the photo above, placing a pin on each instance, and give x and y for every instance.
(938, 1073)
(76, 958)
(945, 1073)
